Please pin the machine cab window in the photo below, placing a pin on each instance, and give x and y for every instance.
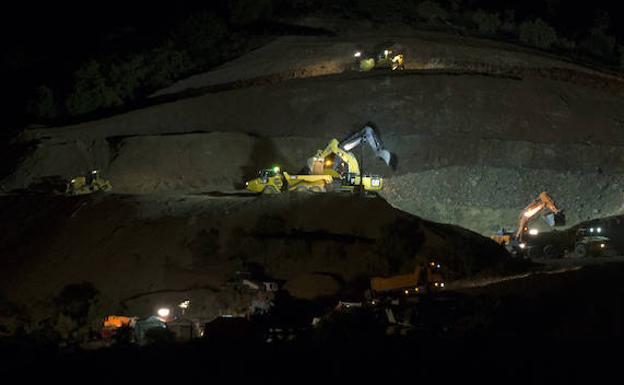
(267, 173)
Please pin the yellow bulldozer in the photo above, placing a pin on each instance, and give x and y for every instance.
(88, 184)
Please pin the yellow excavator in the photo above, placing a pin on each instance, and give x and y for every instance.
(333, 168)
(338, 161)
(515, 241)
(87, 184)
(386, 58)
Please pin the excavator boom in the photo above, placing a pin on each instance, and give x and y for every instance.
(368, 135)
(336, 159)
(554, 218)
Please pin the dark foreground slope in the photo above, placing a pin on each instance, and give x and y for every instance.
(143, 252)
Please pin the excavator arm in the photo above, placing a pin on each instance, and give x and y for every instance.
(543, 201)
(337, 159)
(367, 135)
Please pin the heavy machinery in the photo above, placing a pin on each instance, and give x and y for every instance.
(593, 242)
(388, 57)
(425, 278)
(87, 184)
(273, 181)
(338, 161)
(333, 168)
(515, 242)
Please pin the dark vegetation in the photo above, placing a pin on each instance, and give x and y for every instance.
(64, 65)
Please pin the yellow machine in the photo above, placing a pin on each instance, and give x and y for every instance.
(333, 168)
(273, 181)
(337, 160)
(424, 279)
(388, 58)
(514, 241)
(88, 184)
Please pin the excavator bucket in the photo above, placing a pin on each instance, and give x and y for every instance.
(367, 134)
(555, 219)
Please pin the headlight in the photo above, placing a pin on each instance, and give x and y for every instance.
(442, 284)
(375, 182)
(164, 312)
(246, 183)
(599, 229)
(533, 231)
(522, 245)
(357, 54)
(602, 245)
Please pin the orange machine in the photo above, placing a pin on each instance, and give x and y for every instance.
(543, 201)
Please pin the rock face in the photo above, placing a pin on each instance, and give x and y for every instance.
(478, 130)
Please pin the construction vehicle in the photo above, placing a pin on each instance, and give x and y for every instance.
(592, 242)
(388, 57)
(426, 278)
(337, 160)
(334, 168)
(515, 242)
(274, 181)
(87, 184)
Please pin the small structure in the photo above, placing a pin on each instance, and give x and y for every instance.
(142, 326)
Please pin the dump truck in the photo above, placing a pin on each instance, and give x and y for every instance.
(273, 181)
(424, 279)
(334, 168)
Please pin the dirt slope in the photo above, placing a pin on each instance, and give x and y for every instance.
(476, 138)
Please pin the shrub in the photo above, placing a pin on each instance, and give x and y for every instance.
(200, 34)
(430, 11)
(127, 77)
(43, 106)
(509, 25)
(567, 44)
(75, 301)
(488, 23)
(537, 33)
(599, 44)
(167, 64)
(243, 12)
(91, 91)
